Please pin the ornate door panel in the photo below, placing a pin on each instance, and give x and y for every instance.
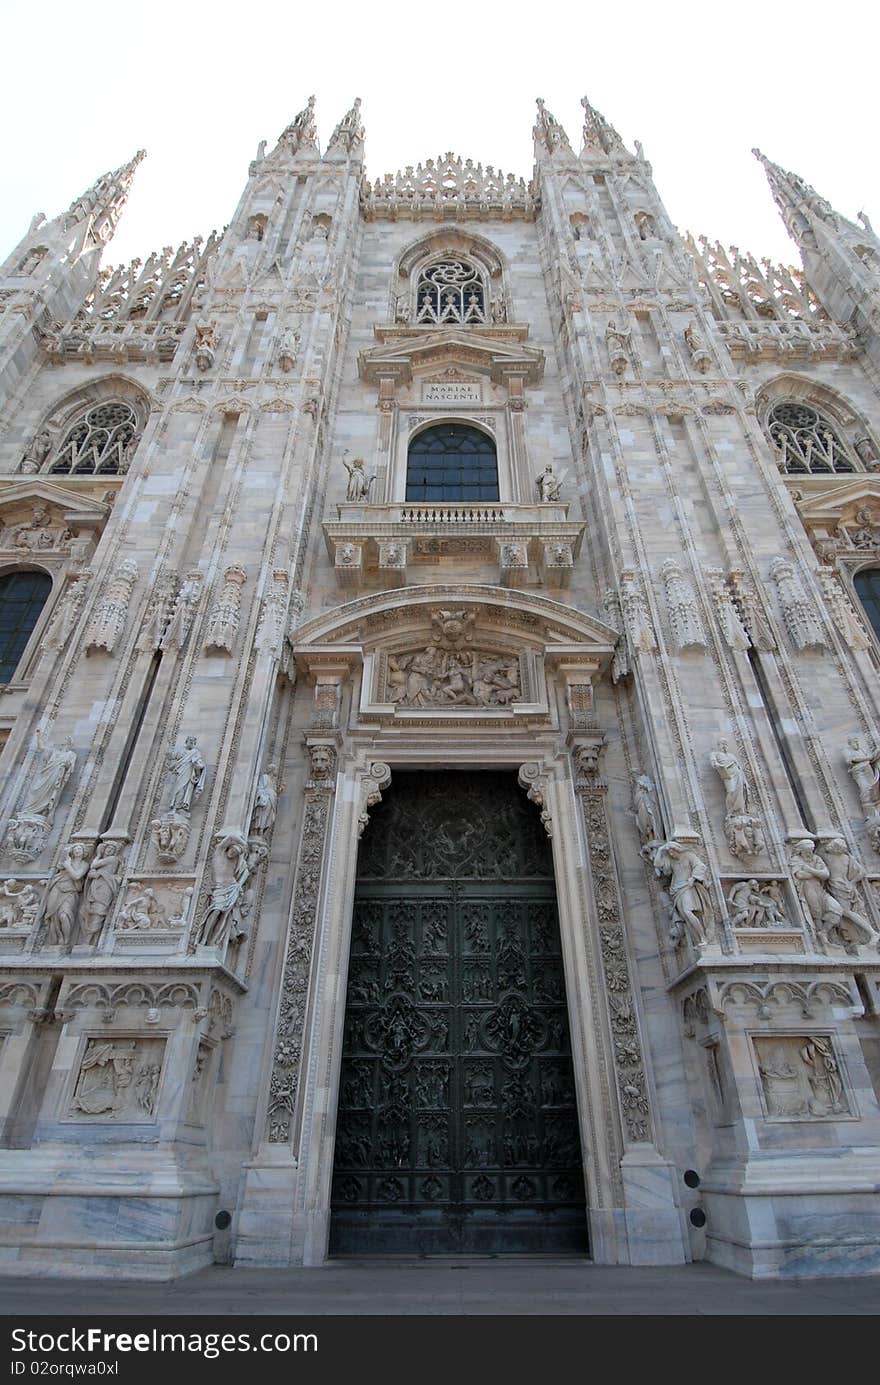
(457, 1128)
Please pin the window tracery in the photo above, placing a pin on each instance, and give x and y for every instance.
(806, 440)
(451, 291)
(100, 442)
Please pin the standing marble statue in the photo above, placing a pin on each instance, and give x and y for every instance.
(646, 814)
(744, 836)
(863, 762)
(234, 862)
(187, 770)
(358, 484)
(689, 877)
(29, 828)
(811, 875)
(549, 485)
(62, 896)
(265, 803)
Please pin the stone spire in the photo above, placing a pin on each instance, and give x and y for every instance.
(301, 135)
(799, 204)
(600, 136)
(548, 132)
(102, 204)
(348, 133)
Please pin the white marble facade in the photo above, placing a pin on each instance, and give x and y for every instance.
(248, 629)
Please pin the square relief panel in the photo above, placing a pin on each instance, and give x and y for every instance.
(800, 1077)
(155, 909)
(118, 1079)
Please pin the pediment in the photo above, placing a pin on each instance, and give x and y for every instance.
(456, 652)
(491, 354)
(837, 500)
(39, 517)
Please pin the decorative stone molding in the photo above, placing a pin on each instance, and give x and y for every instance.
(108, 620)
(182, 611)
(372, 786)
(269, 638)
(111, 996)
(284, 1079)
(632, 1087)
(534, 779)
(732, 629)
(637, 621)
(761, 995)
(840, 609)
(684, 615)
(798, 610)
(449, 186)
(224, 619)
(751, 612)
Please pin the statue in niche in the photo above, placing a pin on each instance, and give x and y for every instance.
(549, 486)
(36, 453)
(102, 883)
(62, 896)
(358, 485)
(265, 803)
(689, 877)
(646, 814)
(756, 906)
(48, 781)
(844, 875)
(744, 836)
(188, 770)
(29, 828)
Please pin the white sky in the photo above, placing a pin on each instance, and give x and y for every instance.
(198, 86)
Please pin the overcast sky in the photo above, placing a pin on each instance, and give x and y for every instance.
(198, 86)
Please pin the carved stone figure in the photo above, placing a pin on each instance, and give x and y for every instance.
(63, 894)
(863, 762)
(754, 905)
(647, 815)
(732, 775)
(691, 903)
(811, 875)
(205, 344)
(234, 862)
(800, 1077)
(322, 763)
(170, 836)
(36, 453)
(67, 612)
(141, 911)
(844, 876)
(696, 345)
(265, 803)
(18, 904)
(617, 342)
(549, 486)
(102, 883)
(288, 349)
(182, 610)
(358, 485)
(639, 629)
(119, 1079)
(187, 770)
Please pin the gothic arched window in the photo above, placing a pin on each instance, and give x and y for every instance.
(451, 461)
(806, 440)
(100, 441)
(22, 597)
(451, 290)
(867, 585)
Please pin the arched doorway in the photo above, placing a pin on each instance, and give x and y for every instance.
(457, 1128)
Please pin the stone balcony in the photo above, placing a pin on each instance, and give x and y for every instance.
(378, 545)
(113, 341)
(774, 341)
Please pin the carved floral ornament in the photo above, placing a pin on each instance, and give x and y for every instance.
(451, 654)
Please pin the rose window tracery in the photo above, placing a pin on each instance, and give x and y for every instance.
(100, 442)
(806, 440)
(450, 291)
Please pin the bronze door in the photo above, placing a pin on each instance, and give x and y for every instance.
(457, 1128)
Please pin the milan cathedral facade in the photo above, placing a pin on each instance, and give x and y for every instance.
(440, 777)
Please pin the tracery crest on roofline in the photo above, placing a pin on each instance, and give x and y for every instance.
(432, 188)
